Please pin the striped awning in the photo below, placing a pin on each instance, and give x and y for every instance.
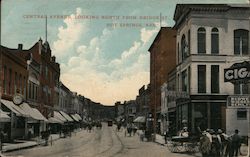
(66, 116)
(4, 116)
(14, 108)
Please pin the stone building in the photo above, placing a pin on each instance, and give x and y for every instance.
(210, 38)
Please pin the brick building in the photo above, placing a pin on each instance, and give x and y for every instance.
(162, 61)
(13, 81)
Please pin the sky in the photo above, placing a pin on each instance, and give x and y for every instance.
(101, 45)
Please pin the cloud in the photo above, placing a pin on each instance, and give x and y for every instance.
(68, 35)
(103, 81)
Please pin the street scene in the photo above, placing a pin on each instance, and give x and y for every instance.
(108, 78)
(105, 142)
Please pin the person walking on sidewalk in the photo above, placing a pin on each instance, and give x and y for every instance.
(236, 143)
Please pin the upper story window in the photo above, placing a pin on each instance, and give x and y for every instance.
(178, 53)
(201, 78)
(241, 42)
(240, 88)
(189, 43)
(201, 40)
(215, 79)
(184, 81)
(5, 79)
(46, 72)
(10, 81)
(215, 41)
(183, 48)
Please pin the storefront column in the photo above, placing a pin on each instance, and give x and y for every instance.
(208, 115)
(26, 127)
(192, 117)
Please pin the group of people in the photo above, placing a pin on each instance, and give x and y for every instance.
(219, 144)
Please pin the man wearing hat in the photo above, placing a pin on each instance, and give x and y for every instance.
(236, 142)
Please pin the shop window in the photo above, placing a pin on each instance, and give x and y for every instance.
(201, 78)
(201, 40)
(200, 115)
(215, 41)
(215, 85)
(216, 117)
(241, 42)
(241, 114)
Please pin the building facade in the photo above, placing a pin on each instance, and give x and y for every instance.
(210, 38)
(162, 61)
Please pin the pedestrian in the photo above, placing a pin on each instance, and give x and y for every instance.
(205, 144)
(236, 143)
(1, 139)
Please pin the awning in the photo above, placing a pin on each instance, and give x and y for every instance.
(74, 117)
(55, 120)
(58, 116)
(33, 112)
(66, 116)
(14, 108)
(39, 115)
(78, 116)
(140, 119)
(4, 116)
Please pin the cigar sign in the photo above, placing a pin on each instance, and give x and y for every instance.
(237, 72)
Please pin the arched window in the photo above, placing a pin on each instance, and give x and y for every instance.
(215, 41)
(241, 41)
(183, 47)
(201, 40)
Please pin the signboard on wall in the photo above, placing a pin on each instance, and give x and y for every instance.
(237, 72)
(238, 101)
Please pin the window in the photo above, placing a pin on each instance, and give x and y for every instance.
(10, 81)
(36, 92)
(183, 48)
(240, 88)
(15, 83)
(46, 72)
(215, 41)
(215, 79)
(5, 79)
(24, 86)
(30, 89)
(20, 83)
(189, 43)
(33, 91)
(184, 80)
(178, 53)
(201, 40)
(201, 78)
(241, 114)
(241, 41)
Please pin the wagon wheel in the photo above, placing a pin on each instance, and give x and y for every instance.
(174, 146)
(192, 147)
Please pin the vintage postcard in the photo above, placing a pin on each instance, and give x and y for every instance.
(124, 78)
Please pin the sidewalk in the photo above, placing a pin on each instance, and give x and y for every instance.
(22, 144)
(160, 140)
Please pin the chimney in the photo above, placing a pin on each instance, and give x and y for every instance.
(20, 46)
(53, 59)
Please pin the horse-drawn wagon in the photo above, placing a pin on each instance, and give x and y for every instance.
(183, 144)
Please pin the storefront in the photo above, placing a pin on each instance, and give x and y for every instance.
(201, 112)
(237, 114)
